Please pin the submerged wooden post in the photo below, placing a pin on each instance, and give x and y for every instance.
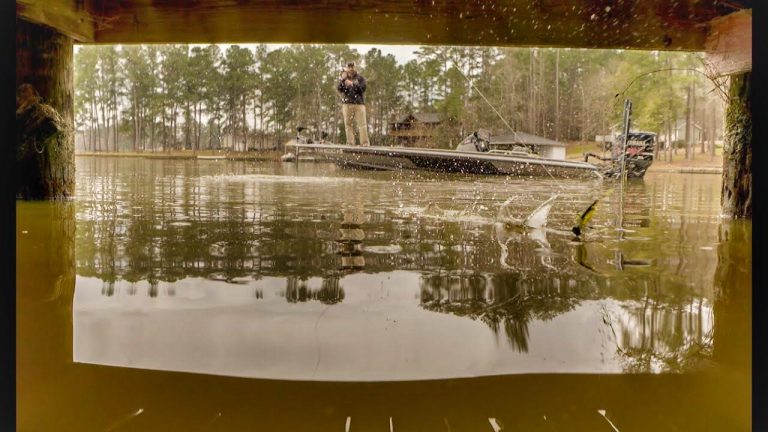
(732, 330)
(736, 196)
(44, 136)
(729, 52)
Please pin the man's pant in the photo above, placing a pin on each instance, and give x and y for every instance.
(355, 113)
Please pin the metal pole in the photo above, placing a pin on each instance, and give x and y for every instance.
(627, 121)
(623, 162)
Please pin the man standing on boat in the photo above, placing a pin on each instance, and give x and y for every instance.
(352, 87)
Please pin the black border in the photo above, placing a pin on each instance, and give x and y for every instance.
(8, 220)
(8, 217)
(759, 163)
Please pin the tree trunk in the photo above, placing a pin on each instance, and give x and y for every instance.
(135, 119)
(173, 121)
(44, 60)
(163, 131)
(198, 124)
(713, 134)
(152, 135)
(116, 122)
(736, 197)
(91, 145)
(693, 121)
(245, 123)
(187, 132)
(105, 122)
(531, 101)
(688, 125)
(557, 94)
(669, 141)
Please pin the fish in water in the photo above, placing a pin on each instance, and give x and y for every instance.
(587, 214)
(581, 223)
(533, 226)
(537, 218)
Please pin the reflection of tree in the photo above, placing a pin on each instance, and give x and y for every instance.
(330, 292)
(230, 231)
(349, 242)
(732, 304)
(663, 337)
(500, 301)
(177, 237)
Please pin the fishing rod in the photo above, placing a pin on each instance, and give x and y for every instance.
(589, 212)
(623, 162)
(471, 85)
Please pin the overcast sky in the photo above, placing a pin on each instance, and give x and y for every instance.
(403, 53)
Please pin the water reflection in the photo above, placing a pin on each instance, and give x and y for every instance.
(503, 302)
(350, 240)
(234, 270)
(330, 238)
(297, 290)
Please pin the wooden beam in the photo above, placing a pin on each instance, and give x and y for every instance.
(69, 17)
(729, 43)
(679, 25)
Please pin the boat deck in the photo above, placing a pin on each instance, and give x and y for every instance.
(399, 158)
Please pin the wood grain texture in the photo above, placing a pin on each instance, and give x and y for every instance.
(69, 17)
(729, 43)
(636, 24)
(736, 193)
(666, 24)
(44, 59)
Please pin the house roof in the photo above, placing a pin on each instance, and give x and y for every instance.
(420, 117)
(524, 138)
(681, 124)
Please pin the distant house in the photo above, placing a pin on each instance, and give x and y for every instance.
(415, 129)
(678, 133)
(544, 147)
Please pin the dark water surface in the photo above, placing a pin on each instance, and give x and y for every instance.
(214, 295)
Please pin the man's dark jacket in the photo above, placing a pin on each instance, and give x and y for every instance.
(352, 94)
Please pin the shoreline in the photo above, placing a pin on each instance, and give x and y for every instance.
(267, 156)
(687, 170)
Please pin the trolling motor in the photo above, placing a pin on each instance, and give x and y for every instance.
(301, 139)
(478, 141)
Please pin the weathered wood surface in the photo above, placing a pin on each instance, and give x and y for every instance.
(736, 194)
(729, 43)
(72, 18)
(44, 138)
(44, 60)
(667, 24)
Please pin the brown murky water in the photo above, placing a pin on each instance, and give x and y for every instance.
(213, 295)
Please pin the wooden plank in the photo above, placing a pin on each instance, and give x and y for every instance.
(679, 25)
(729, 43)
(69, 17)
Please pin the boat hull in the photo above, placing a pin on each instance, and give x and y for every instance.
(397, 158)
